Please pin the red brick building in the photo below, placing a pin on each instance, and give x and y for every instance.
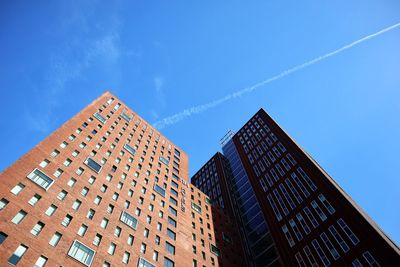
(105, 189)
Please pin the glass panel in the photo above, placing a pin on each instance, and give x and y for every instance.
(81, 253)
(93, 165)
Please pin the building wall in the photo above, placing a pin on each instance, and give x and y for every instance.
(211, 179)
(287, 182)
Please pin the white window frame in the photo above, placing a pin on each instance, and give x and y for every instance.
(87, 247)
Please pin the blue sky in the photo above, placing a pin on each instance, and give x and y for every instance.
(162, 57)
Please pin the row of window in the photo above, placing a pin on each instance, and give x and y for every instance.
(84, 254)
(331, 239)
(287, 194)
(310, 260)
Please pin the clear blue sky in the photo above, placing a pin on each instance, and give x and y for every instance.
(161, 57)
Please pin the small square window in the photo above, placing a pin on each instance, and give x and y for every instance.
(44, 163)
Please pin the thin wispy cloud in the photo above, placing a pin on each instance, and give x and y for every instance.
(171, 120)
(158, 82)
(71, 61)
(154, 114)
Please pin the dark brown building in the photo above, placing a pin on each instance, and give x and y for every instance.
(309, 220)
(105, 189)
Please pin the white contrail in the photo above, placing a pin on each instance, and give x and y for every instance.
(201, 108)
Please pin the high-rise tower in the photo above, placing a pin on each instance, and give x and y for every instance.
(105, 189)
(282, 196)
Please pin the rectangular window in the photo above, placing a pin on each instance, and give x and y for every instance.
(171, 221)
(55, 239)
(61, 196)
(37, 228)
(274, 207)
(168, 262)
(370, 259)
(319, 211)
(50, 210)
(354, 239)
(296, 230)
(320, 253)
(310, 216)
(330, 246)
(17, 189)
(77, 203)
(143, 248)
(130, 240)
(300, 260)
(129, 149)
(81, 253)
(67, 220)
(307, 179)
(196, 207)
(34, 199)
(84, 191)
(104, 223)
(287, 196)
(129, 220)
(155, 255)
(99, 117)
(93, 165)
(159, 190)
(125, 257)
(281, 202)
(310, 256)
(97, 239)
(173, 201)
(54, 153)
(171, 234)
(164, 160)
(296, 194)
(3, 203)
(19, 217)
(90, 214)
(64, 144)
(173, 211)
(111, 249)
(170, 248)
(144, 263)
(174, 192)
(288, 235)
(214, 249)
(326, 203)
(41, 261)
(300, 184)
(303, 223)
(117, 231)
(71, 182)
(339, 238)
(97, 200)
(41, 179)
(125, 117)
(3, 236)
(58, 173)
(356, 263)
(82, 230)
(17, 255)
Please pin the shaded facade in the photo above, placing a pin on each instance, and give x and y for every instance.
(105, 189)
(308, 219)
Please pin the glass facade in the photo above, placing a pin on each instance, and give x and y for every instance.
(254, 226)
